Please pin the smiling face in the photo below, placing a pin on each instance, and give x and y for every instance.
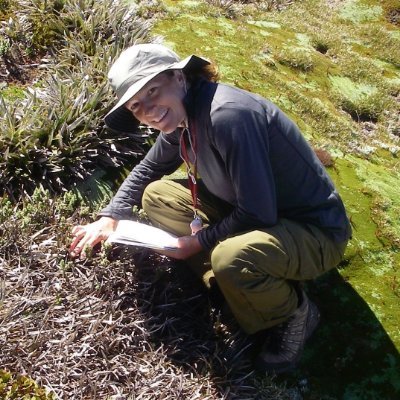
(159, 104)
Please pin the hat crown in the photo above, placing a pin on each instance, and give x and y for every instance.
(138, 62)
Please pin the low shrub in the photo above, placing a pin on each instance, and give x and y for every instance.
(4, 7)
(119, 324)
(20, 387)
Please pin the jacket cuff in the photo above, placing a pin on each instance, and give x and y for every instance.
(204, 240)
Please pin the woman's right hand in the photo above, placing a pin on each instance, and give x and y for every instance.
(91, 234)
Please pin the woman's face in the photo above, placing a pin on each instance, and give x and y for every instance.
(159, 104)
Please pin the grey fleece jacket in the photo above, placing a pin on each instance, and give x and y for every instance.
(249, 155)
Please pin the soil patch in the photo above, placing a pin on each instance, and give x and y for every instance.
(17, 68)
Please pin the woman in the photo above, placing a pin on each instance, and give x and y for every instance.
(265, 213)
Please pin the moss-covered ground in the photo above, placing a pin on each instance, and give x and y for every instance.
(334, 68)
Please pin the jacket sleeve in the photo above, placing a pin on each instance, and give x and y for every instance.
(162, 159)
(240, 137)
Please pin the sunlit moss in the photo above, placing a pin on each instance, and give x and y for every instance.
(380, 41)
(355, 11)
(343, 63)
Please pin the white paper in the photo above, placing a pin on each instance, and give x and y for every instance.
(135, 233)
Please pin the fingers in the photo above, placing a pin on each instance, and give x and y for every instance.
(81, 241)
(77, 245)
(87, 236)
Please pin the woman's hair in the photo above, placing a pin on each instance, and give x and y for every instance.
(208, 72)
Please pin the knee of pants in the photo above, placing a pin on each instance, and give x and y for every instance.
(150, 196)
(256, 252)
(231, 257)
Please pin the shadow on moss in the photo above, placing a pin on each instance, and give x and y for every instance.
(351, 356)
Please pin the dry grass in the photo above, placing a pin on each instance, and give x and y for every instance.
(118, 325)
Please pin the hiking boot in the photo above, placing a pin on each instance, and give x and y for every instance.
(285, 342)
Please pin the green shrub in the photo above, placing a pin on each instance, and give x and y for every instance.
(31, 27)
(359, 68)
(20, 387)
(368, 107)
(321, 45)
(59, 139)
(42, 19)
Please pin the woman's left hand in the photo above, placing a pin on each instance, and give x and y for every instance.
(187, 246)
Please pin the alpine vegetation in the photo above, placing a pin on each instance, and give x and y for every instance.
(53, 135)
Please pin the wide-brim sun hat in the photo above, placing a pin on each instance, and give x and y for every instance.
(133, 69)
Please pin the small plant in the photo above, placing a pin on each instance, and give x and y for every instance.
(359, 68)
(150, 9)
(21, 387)
(31, 28)
(384, 43)
(321, 43)
(4, 46)
(227, 7)
(367, 107)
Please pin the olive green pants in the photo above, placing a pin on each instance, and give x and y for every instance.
(255, 270)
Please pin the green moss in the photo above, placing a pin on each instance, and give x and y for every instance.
(357, 11)
(191, 3)
(12, 92)
(358, 198)
(356, 353)
(359, 339)
(384, 182)
(373, 254)
(265, 24)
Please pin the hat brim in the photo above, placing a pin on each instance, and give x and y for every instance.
(121, 119)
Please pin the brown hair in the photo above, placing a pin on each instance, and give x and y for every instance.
(208, 72)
